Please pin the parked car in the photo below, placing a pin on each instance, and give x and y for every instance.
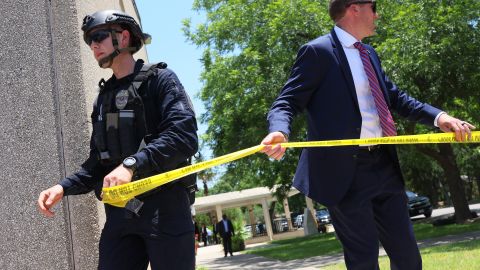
(259, 230)
(298, 221)
(419, 205)
(323, 218)
(280, 225)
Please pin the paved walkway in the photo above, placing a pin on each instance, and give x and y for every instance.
(212, 258)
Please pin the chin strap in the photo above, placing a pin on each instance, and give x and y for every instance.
(109, 59)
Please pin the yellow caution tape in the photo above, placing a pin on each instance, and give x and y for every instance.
(120, 195)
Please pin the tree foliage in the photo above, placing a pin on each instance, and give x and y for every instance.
(249, 49)
(429, 47)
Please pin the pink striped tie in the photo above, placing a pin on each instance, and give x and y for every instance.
(386, 120)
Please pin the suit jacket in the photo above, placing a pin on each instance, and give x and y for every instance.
(204, 232)
(221, 229)
(321, 84)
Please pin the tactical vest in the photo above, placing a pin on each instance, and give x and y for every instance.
(120, 128)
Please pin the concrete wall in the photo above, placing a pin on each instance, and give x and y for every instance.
(47, 86)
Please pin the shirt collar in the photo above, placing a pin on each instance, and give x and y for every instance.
(345, 38)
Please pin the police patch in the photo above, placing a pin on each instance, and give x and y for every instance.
(121, 99)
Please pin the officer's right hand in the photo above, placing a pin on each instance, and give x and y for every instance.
(118, 176)
(276, 151)
(48, 198)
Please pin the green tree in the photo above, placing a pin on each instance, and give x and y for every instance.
(430, 47)
(249, 49)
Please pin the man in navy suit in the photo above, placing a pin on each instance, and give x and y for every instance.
(341, 85)
(226, 231)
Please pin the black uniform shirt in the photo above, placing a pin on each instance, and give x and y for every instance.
(176, 130)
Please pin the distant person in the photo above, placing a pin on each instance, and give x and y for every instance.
(340, 84)
(197, 230)
(197, 235)
(226, 231)
(209, 236)
(204, 235)
(260, 228)
(214, 233)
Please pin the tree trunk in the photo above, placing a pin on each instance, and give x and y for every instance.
(205, 188)
(478, 187)
(469, 190)
(446, 159)
(271, 212)
(445, 194)
(433, 192)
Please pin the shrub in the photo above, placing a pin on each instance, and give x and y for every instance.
(238, 243)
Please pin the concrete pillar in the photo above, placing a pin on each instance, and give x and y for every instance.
(44, 134)
(214, 218)
(252, 220)
(48, 81)
(286, 208)
(309, 223)
(218, 208)
(268, 221)
(311, 208)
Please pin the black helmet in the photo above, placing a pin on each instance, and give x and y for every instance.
(115, 17)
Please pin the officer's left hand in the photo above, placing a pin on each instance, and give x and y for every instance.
(118, 176)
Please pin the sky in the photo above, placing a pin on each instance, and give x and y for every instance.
(163, 21)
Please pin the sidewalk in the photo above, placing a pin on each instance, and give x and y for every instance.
(212, 258)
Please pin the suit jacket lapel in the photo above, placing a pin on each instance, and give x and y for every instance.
(342, 59)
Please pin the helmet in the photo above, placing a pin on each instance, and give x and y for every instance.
(115, 17)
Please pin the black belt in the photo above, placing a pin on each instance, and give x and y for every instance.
(370, 148)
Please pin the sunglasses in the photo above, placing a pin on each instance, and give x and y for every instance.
(374, 4)
(99, 35)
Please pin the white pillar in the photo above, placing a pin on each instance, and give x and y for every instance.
(219, 212)
(253, 224)
(268, 222)
(214, 217)
(286, 208)
(310, 207)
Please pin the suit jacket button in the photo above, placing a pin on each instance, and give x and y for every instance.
(354, 156)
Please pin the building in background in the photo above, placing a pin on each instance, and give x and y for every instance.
(48, 81)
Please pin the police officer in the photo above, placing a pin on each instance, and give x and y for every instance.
(137, 132)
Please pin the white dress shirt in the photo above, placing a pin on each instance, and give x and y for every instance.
(225, 225)
(370, 121)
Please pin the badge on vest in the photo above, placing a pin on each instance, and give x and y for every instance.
(121, 99)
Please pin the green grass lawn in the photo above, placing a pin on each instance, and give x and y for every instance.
(464, 256)
(426, 231)
(302, 247)
(325, 244)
